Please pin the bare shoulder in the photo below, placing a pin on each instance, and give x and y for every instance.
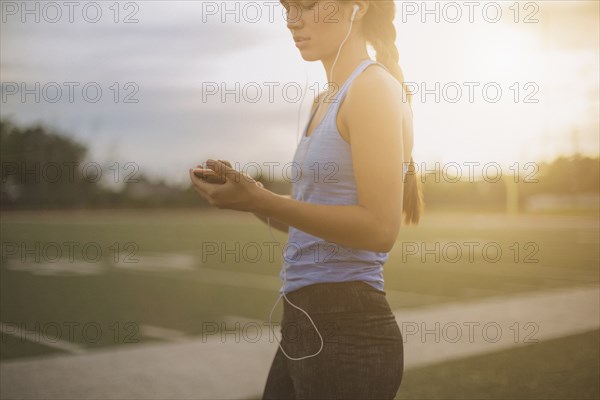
(375, 85)
(375, 93)
(376, 106)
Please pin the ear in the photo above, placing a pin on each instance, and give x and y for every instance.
(359, 13)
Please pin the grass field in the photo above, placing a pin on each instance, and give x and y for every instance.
(565, 368)
(179, 283)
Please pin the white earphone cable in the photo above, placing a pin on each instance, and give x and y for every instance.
(285, 266)
(302, 197)
(330, 78)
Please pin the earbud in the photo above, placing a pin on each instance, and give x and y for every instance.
(354, 11)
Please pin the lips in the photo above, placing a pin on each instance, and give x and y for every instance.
(300, 39)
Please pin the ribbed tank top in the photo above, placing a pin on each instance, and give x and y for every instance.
(325, 176)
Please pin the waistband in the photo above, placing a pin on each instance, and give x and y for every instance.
(337, 297)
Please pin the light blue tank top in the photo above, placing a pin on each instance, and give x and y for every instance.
(325, 175)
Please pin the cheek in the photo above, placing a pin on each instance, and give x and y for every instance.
(326, 33)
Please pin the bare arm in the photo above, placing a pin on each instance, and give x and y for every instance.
(375, 129)
(280, 226)
(352, 226)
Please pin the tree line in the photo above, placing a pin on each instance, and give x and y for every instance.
(43, 169)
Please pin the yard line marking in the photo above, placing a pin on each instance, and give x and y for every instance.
(232, 320)
(60, 268)
(158, 332)
(223, 278)
(37, 337)
(541, 316)
(153, 261)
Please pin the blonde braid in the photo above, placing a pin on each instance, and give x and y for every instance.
(380, 32)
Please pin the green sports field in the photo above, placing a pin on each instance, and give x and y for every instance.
(77, 272)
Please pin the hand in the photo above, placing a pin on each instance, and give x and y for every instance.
(210, 176)
(230, 189)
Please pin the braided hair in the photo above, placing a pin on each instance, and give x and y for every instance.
(380, 32)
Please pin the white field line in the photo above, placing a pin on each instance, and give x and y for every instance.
(157, 332)
(39, 338)
(227, 278)
(445, 332)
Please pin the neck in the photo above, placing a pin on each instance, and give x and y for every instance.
(352, 54)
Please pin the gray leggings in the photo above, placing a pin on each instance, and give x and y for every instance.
(362, 355)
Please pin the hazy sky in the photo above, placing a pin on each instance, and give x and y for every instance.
(177, 48)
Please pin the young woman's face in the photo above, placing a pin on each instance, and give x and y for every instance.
(318, 26)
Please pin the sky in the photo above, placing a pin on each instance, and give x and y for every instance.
(169, 55)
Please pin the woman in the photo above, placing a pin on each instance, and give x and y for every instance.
(339, 336)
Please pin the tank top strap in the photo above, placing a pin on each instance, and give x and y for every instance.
(386, 68)
(335, 103)
(361, 67)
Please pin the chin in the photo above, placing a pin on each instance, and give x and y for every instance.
(308, 56)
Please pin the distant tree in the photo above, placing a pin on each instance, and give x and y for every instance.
(564, 175)
(44, 169)
(40, 168)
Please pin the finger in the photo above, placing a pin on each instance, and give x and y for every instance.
(208, 175)
(201, 186)
(222, 170)
(203, 171)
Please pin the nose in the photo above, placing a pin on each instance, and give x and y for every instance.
(294, 17)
